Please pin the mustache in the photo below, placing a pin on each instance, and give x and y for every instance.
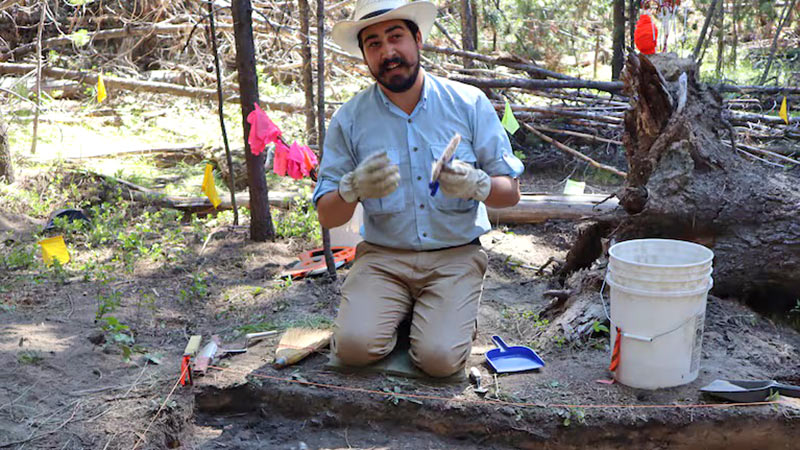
(396, 60)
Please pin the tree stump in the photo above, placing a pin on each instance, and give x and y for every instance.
(683, 183)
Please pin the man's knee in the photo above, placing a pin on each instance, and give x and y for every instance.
(357, 347)
(437, 360)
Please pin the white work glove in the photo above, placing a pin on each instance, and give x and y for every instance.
(460, 180)
(375, 177)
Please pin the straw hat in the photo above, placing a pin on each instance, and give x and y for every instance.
(370, 12)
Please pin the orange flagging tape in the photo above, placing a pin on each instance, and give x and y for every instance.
(485, 402)
(615, 354)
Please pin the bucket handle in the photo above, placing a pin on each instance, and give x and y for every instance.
(648, 338)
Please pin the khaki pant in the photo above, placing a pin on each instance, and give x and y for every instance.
(443, 290)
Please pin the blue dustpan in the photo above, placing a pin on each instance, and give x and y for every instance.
(512, 359)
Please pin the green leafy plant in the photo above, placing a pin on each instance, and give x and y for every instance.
(395, 396)
(20, 257)
(119, 335)
(598, 327)
(79, 38)
(107, 303)
(573, 414)
(29, 357)
(196, 290)
(301, 219)
(284, 283)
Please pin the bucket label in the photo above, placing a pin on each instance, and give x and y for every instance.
(699, 323)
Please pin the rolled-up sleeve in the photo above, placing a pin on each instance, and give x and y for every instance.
(337, 159)
(490, 142)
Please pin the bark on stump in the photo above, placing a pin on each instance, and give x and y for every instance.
(683, 183)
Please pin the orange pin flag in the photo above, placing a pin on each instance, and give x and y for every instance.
(784, 112)
(101, 89)
(209, 188)
(54, 248)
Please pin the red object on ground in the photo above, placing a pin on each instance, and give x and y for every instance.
(312, 262)
(186, 370)
(645, 35)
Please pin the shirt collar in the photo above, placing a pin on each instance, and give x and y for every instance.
(423, 99)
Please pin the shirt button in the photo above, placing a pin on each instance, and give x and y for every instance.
(409, 120)
(421, 206)
(424, 234)
(419, 177)
(416, 148)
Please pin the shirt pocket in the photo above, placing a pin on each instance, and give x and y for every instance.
(442, 202)
(394, 202)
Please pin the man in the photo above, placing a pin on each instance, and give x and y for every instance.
(421, 253)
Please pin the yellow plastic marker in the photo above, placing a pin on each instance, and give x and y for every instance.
(101, 89)
(509, 121)
(784, 112)
(209, 188)
(574, 187)
(54, 248)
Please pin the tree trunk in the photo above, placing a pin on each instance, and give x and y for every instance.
(326, 233)
(787, 11)
(735, 44)
(633, 16)
(709, 16)
(683, 183)
(261, 228)
(308, 76)
(6, 164)
(720, 38)
(468, 32)
(618, 53)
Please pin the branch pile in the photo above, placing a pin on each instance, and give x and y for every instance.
(162, 47)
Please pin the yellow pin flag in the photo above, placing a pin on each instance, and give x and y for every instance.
(209, 188)
(784, 112)
(574, 187)
(54, 248)
(101, 89)
(509, 121)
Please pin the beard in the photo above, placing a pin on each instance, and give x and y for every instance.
(398, 82)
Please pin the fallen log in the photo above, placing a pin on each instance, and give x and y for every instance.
(684, 183)
(524, 83)
(742, 117)
(530, 68)
(137, 85)
(102, 35)
(540, 208)
(614, 118)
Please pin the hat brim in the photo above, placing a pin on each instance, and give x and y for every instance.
(345, 33)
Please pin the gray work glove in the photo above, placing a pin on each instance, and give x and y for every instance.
(460, 180)
(375, 177)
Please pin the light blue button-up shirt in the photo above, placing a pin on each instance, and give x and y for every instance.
(410, 218)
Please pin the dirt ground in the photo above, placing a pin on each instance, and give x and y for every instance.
(63, 384)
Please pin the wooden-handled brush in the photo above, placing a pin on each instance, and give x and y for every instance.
(297, 343)
(443, 160)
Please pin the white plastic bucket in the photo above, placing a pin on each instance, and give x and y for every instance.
(660, 282)
(658, 291)
(661, 257)
(349, 234)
